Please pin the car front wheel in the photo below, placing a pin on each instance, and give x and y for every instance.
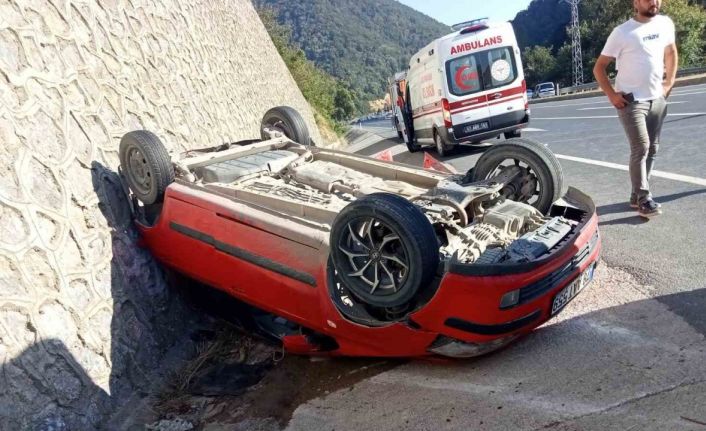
(384, 249)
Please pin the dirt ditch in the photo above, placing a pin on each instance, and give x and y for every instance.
(238, 382)
(241, 383)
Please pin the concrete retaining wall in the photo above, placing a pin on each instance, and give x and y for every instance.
(86, 317)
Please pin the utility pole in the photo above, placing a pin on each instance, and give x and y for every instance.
(576, 42)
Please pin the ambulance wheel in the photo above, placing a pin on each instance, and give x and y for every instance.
(537, 180)
(441, 147)
(514, 134)
(412, 145)
(288, 121)
(146, 165)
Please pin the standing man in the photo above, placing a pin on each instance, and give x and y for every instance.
(646, 59)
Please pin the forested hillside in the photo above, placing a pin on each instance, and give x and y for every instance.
(541, 32)
(543, 23)
(362, 42)
(332, 100)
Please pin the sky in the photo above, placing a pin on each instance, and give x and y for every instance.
(453, 11)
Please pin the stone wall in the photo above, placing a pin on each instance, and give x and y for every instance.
(86, 317)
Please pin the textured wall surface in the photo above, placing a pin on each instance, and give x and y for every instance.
(85, 317)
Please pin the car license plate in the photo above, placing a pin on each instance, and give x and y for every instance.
(568, 293)
(476, 127)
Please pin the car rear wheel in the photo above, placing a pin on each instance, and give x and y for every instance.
(412, 146)
(514, 134)
(537, 176)
(146, 165)
(384, 249)
(288, 121)
(442, 148)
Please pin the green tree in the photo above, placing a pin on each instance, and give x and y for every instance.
(540, 64)
(345, 105)
(690, 23)
(360, 42)
(598, 18)
(322, 91)
(564, 66)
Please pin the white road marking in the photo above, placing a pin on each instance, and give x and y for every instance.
(683, 114)
(679, 91)
(532, 129)
(686, 94)
(655, 173)
(611, 107)
(398, 149)
(550, 105)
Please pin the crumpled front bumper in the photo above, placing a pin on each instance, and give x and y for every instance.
(465, 311)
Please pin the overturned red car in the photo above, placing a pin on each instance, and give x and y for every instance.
(341, 254)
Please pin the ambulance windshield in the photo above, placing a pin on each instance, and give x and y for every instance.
(481, 71)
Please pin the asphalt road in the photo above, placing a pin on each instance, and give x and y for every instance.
(668, 253)
(628, 354)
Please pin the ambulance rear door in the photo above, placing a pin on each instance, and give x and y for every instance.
(504, 81)
(468, 104)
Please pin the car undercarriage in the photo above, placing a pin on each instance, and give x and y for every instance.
(384, 238)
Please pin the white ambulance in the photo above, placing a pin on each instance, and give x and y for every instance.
(466, 86)
(396, 91)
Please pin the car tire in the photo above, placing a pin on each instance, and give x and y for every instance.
(514, 134)
(442, 148)
(411, 142)
(384, 249)
(543, 165)
(146, 165)
(288, 121)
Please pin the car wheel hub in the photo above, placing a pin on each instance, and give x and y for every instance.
(139, 171)
(522, 186)
(376, 256)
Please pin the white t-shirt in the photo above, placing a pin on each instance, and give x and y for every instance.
(639, 52)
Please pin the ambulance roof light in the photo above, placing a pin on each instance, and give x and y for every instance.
(473, 28)
(475, 24)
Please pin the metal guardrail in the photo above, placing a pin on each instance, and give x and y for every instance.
(594, 85)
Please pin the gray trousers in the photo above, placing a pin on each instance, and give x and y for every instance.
(642, 122)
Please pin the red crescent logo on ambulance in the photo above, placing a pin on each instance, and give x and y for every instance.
(461, 79)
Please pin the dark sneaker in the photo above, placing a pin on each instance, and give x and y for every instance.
(649, 208)
(633, 201)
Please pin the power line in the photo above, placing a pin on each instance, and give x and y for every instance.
(577, 59)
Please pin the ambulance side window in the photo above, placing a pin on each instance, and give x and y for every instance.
(499, 69)
(463, 75)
